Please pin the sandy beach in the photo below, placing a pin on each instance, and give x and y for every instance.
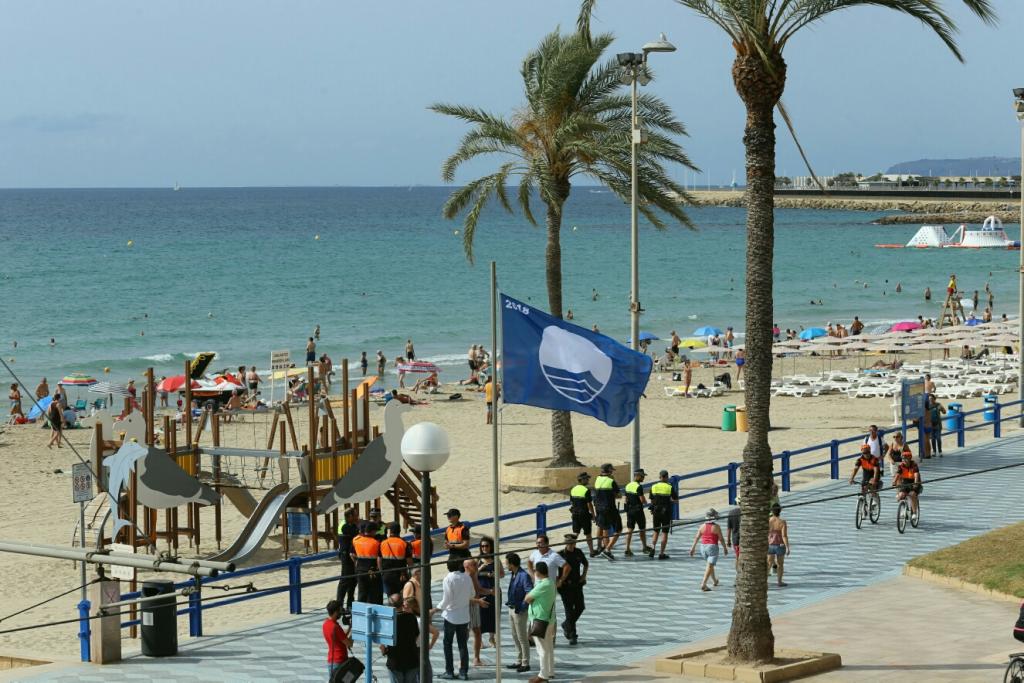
(678, 434)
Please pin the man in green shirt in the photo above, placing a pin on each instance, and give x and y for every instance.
(542, 607)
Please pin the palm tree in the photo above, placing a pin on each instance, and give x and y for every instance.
(574, 123)
(759, 30)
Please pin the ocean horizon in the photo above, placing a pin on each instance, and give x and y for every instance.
(124, 278)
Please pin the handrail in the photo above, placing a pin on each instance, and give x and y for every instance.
(293, 565)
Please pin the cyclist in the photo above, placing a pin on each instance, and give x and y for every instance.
(908, 477)
(871, 468)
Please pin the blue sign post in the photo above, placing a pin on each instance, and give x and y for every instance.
(376, 625)
(913, 401)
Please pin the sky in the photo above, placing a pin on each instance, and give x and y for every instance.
(256, 93)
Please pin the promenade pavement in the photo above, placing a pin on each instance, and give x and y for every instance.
(639, 608)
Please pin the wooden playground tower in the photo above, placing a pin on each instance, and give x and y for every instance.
(331, 447)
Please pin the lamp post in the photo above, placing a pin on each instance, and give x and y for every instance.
(425, 448)
(634, 71)
(1018, 107)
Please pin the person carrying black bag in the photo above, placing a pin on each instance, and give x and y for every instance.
(542, 615)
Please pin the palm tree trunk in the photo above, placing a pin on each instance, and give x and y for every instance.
(750, 638)
(563, 450)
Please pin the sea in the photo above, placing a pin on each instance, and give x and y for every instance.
(121, 280)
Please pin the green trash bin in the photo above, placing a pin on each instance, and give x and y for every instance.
(729, 418)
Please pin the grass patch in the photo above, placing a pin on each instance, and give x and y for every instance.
(994, 560)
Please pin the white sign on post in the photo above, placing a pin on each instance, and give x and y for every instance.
(279, 360)
(117, 571)
(81, 483)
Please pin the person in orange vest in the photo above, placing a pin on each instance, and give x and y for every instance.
(417, 544)
(395, 556)
(456, 536)
(366, 555)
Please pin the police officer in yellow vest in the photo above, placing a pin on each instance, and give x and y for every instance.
(609, 522)
(635, 517)
(662, 496)
(581, 507)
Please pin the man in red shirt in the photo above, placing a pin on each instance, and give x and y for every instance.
(336, 637)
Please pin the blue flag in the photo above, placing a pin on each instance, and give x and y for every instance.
(552, 364)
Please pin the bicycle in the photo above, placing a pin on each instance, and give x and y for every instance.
(1015, 670)
(869, 505)
(904, 514)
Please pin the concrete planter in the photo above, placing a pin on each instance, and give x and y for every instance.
(531, 476)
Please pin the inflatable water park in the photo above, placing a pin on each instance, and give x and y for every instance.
(990, 235)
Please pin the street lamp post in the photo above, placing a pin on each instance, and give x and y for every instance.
(1018, 107)
(425, 448)
(634, 65)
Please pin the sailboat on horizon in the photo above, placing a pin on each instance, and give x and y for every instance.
(177, 187)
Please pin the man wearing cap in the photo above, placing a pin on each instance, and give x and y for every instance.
(378, 529)
(609, 523)
(366, 556)
(456, 536)
(571, 589)
(635, 517)
(663, 494)
(395, 556)
(347, 531)
(581, 507)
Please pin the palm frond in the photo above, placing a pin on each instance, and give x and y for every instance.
(584, 17)
(800, 148)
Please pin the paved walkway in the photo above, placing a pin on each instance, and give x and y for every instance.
(641, 608)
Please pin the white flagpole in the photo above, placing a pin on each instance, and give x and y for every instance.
(498, 602)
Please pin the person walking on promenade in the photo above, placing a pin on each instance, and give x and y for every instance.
(457, 592)
(348, 529)
(546, 554)
(571, 590)
(404, 656)
(581, 510)
(894, 452)
(778, 541)
(456, 536)
(336, 637)
(635, 517)
(663, 494)
(874, 441)
(519, 585)
(366, 556)
(732, 531)
(485, 578)
(609, 522)
(710, 536)
(395, 556)
(542, 616)
(310, 351)
(935, 412)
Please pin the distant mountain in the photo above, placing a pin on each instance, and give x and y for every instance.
(982, 166)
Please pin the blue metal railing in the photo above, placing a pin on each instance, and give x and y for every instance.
(543, 525)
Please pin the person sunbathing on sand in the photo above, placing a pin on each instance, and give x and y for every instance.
(428, 384)
(406, 399)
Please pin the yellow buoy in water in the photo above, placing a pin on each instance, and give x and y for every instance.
(106, 370)
(131, 243)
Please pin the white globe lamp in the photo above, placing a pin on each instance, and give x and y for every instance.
(425, 447)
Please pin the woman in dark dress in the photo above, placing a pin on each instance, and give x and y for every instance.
(485, 577)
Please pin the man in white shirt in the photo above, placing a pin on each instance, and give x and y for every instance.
(457, 593)
(557, 568)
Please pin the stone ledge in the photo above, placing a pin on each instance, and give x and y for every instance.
(531, 476)
(711, 663)
(959, 584)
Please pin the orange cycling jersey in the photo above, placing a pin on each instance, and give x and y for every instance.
(907, 472)
(868, 462)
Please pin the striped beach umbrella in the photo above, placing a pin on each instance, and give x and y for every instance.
(77, 379)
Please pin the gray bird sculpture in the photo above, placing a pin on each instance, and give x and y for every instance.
(377, 467)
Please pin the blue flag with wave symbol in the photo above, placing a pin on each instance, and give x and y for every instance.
(550, 363)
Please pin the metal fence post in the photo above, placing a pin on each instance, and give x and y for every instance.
(294, 586)
(675, 504)
(195, 613)
(997, 424)
(960, 432)
(786, 455)
(733, 468)
(834, 458)
(84, 633)
(542, 519)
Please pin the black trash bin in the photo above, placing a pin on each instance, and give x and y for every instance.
(159, 619)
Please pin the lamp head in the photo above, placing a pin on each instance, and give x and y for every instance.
(625, 58)
(660, 45)
(1018, 93)
(425, 447)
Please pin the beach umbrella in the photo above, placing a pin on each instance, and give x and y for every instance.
(692, 344)
(706, 331)
(418, 366)
(40, 407)
(972, 322)
(77, 379)
(905, 326)
(813, 333)
(648, 336)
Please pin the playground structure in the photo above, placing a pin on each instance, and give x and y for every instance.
(332, 445)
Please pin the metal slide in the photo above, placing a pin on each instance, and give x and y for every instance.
(264, 519)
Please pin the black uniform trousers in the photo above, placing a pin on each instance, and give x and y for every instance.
(347, 583)
(572, 602)
(392, 576)
(368, 586)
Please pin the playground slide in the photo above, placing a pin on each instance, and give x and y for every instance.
(264, 519)
(239, 497)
